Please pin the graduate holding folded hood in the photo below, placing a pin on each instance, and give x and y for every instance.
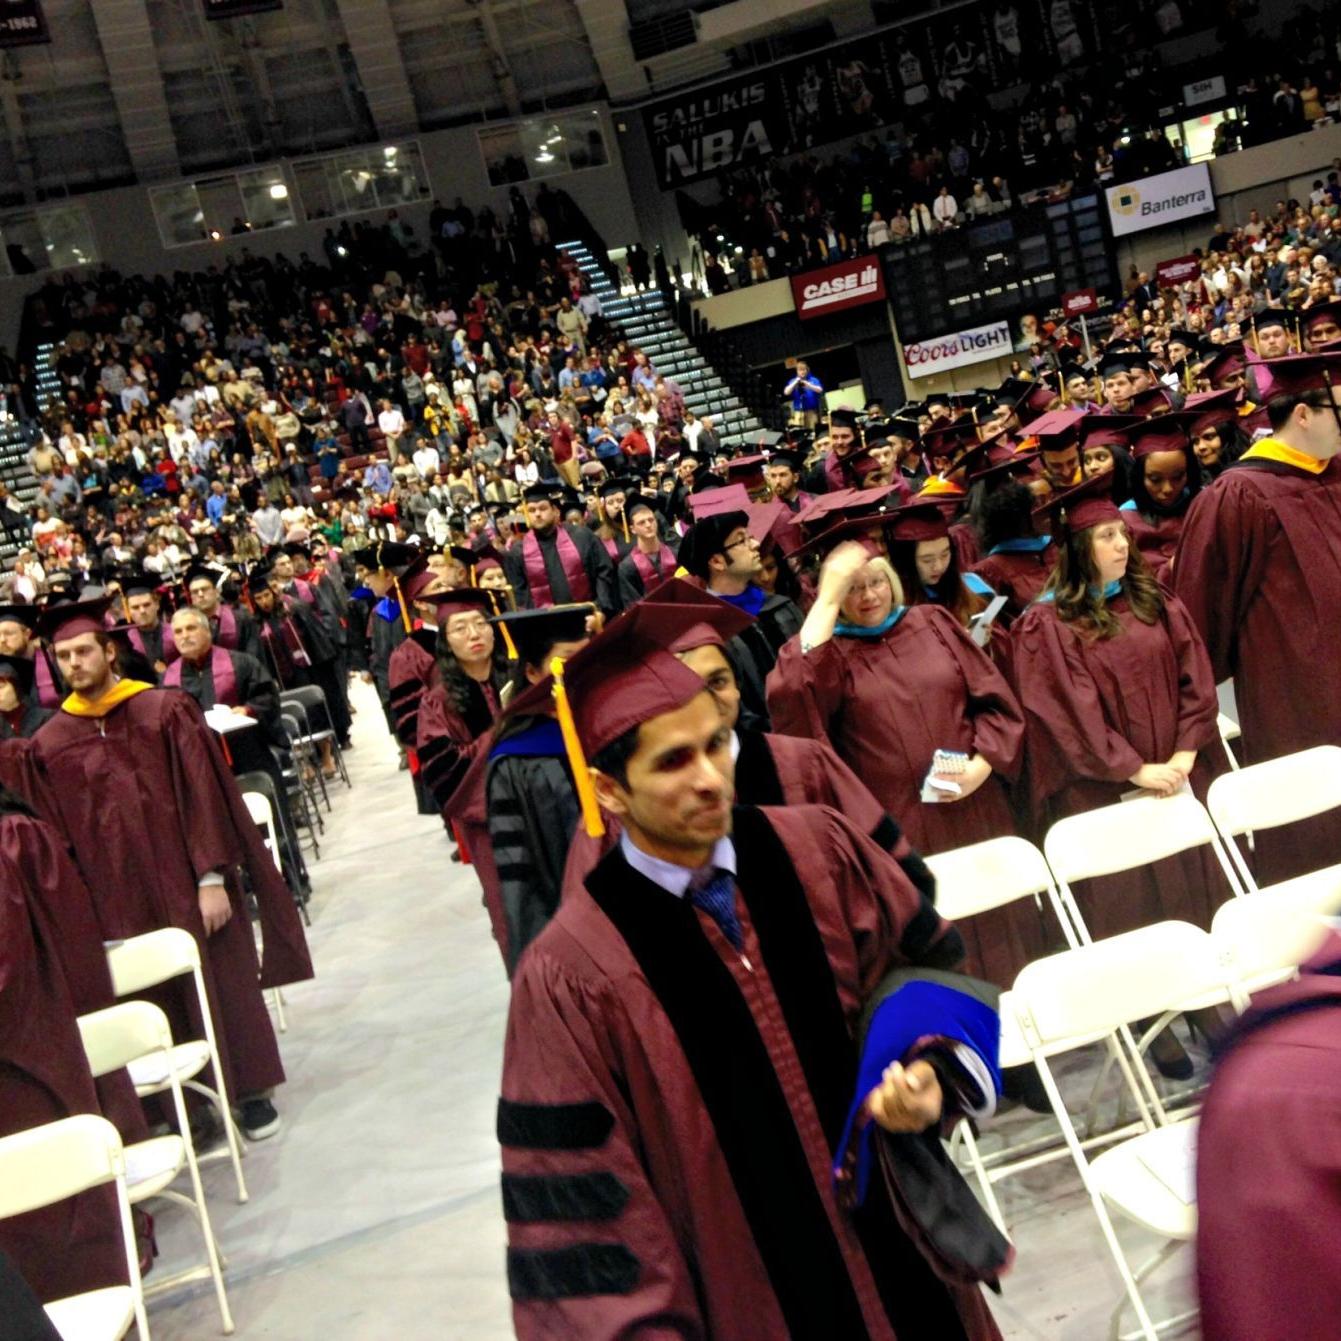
(1165, 478)
(559, 564)
(20, 713)
(650, 561)
(902, 692)
(682, 1053)
(1118, 694)
(231, 626)
(1259, 567)
(99, 773)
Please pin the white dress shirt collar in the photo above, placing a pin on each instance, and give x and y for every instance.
(670, 877)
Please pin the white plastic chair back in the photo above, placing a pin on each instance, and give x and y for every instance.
(1265, 937)
(987, 875)
(1277, 791)
(258, 807)
(47, 1164)
(1081, 995)
(1127, 834)
(144, 961)
(123, 1033)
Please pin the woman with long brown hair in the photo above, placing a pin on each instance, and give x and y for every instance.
(1118, 694)
(925, 559)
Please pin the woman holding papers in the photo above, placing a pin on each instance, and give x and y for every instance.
(888, 686)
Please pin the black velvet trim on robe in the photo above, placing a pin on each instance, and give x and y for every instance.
(572, 1273)
(916, 1301)
(757, 780)
(536, 1198)
(744, 1099)
(581, 1126)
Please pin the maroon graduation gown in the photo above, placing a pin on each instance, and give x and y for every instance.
(1096, 710)
(886, 705)
(1259, 568)
(1156, 538)
(53, 968)
(148, 806)
(670, 1106)
(448, 741)
(1269, 1166)
(1020, 578)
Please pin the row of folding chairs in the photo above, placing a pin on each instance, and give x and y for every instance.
(1258, 937)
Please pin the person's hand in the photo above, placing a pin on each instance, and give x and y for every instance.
(908, 1099)
(366, 677)
(1162, 779)
(1184, 761)
(215, 907)
(843, 564)
(975, 773)
(595, 622)
(242, 711)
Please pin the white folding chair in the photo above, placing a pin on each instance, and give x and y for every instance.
(973, 880)
(59, 1160)
(1127, 835)
(1265, 937)
(1277, 791)
(145, 961)
(1229, 731)
(1092, 994)
(115, 1038)
(258, 807)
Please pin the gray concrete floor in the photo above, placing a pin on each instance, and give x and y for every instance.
(375, 1213)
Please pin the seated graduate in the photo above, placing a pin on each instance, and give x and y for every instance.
(682, 1051)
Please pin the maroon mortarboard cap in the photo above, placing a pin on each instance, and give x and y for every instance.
(72, 618)
(417, 577)
(1273, 316)
(747, 471)
(707, 536)
(1230, 361)
(1102, 430)
(856, 466)
(1301, 373)
(1086, 505)
(1020, 465)
(1036, 401)
(620, 680)
(917, 521)
(845, 504)
(1210, 407)
(19, 614)
(1316, 320)
(771, 521)
(458, 601)
(1055, 422)
(821, 508)
(1155, 401)
(712, 502)
(680, 617)
(1162, 433)
(974, 457)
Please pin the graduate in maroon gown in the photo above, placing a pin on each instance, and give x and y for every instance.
(1165, 478)
(133, 780)
(53, 968)
(556, 564)
(681, 1054)
(1016, 560)
(20, 713)
(649, 561)
(888, 685)
(1269, 1165)
(17, 623)
(1259, 568)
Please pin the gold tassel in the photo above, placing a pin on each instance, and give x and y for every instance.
(1257, 348)
(624, 517)
(400, 600)
(577, 761)
(513, 654)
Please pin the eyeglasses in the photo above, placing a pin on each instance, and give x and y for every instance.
(736, 544)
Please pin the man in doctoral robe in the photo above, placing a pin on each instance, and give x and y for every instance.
(1258, 566)
(681, 1056)
(556, 564)
(136, 785)
(18, 624)
(720, 551)
(231, 626)
(650, 561)
(219, 677)
(377, 569)
(151, 635)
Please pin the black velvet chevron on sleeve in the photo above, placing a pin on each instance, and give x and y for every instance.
(529, 1199)
(581, 1126)
(571, 1273)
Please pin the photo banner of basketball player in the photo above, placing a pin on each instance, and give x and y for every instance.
(22, 23)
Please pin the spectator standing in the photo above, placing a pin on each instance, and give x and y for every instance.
(946, 209)
(806, 392)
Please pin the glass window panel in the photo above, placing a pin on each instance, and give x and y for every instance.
(503, 154)
(68, 236)
(265, 198)
(221, 203)
(315, 189)
(180, 217)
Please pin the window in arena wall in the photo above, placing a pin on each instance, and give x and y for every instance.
(231, 203)
(524, 151)
(378, 177)
(34, 241)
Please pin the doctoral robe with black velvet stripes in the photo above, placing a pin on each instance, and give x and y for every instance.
(448, 740)
(1259, 569)
(671, 1106)
(411, 672)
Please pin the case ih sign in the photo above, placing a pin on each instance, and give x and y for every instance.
(1080, 301)
(1178, 271)
(848, 284)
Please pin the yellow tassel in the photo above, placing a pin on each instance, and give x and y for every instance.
(400, 600)
(577, 761)
(1257, 348)
(513, 654)
(624, 517)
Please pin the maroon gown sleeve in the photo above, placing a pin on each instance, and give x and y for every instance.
(444, 746)
(991, 706)
(812, 774)
(1068, 734)
(567, 1134)
(1198, 704)
(806, 690)
(1220, 563)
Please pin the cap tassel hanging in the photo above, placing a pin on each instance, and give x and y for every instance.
(624, 517)
(577, 761)
(1257, 346)
(513, 655)
(400, 601)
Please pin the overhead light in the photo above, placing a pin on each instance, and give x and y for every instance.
(198, 217)
(279, 191)
(391, 151)
(215, 235)
(544, 156)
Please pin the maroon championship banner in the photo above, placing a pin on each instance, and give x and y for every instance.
(1080, 301)
(817, 293)
(232, 9)
(22, 23)
(1177, 271)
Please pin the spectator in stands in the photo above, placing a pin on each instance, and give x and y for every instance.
(945, 210)
(805, 393)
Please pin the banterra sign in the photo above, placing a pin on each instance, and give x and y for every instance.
(1165, 198)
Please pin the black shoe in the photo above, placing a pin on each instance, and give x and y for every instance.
(258, 1119)
(1169, 1057)
(1022, 1084)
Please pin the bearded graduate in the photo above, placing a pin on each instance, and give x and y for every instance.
(681, 1052)
(98, 772)
(557, 564)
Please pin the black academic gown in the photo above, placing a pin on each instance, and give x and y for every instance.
(255, 690)
(600, 570)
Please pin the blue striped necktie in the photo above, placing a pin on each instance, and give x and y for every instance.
(717, 897)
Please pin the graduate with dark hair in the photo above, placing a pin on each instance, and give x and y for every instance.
(558, 564)
(20, 713)
(17, 626)
(649, 561)
(1165, 478)
(681, 1053)
(1259, 569)
(232, 626)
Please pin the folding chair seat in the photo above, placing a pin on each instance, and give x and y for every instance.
(1266, 936)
